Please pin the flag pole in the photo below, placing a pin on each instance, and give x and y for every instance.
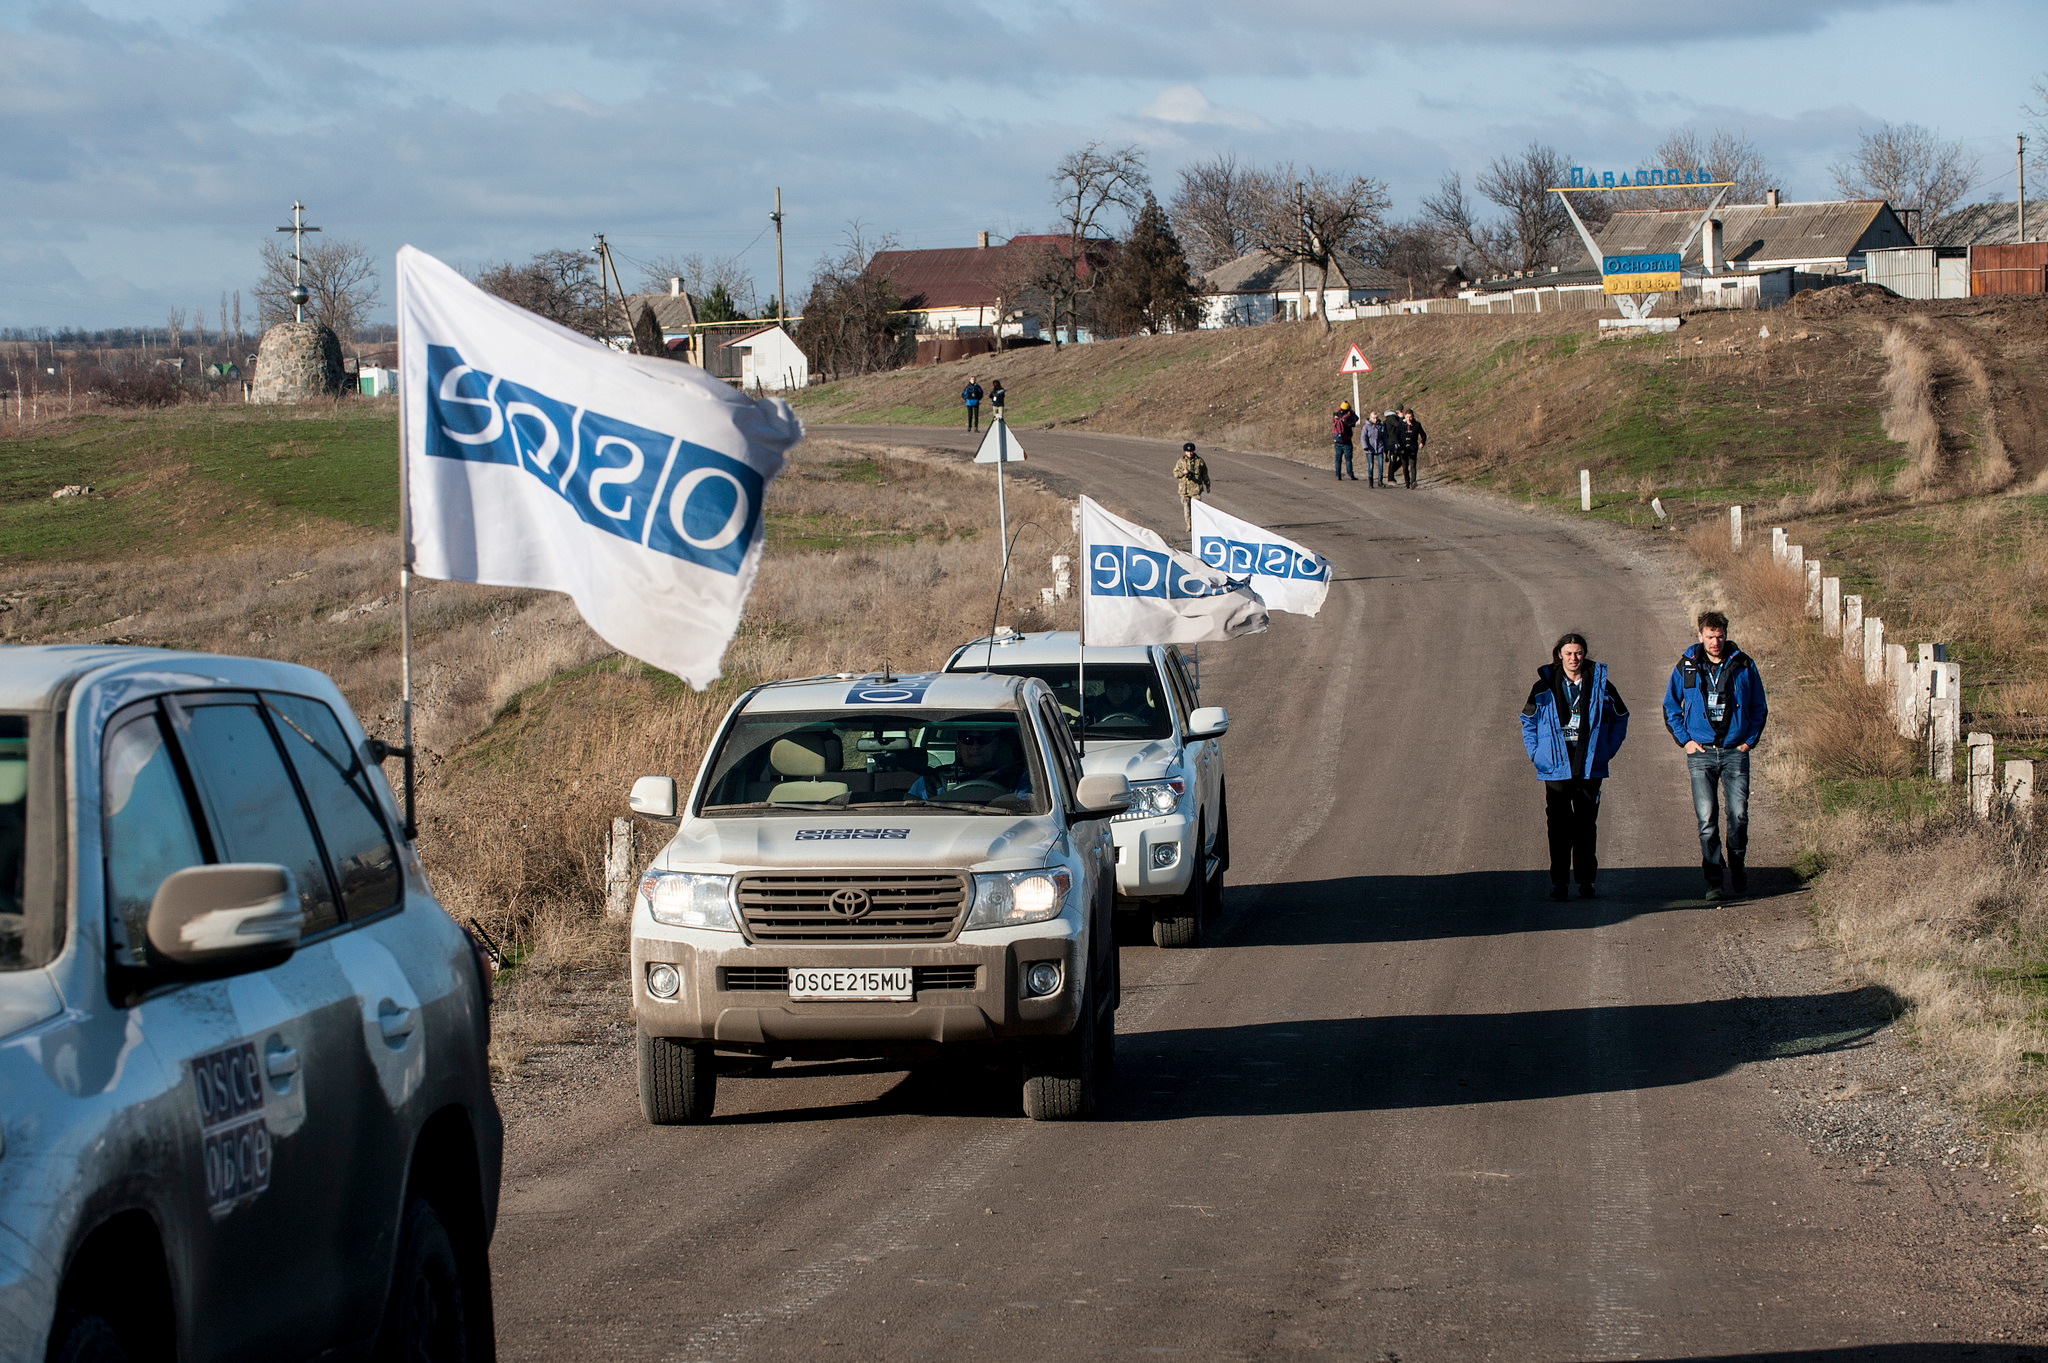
(412, 830)
(1002, 513)
(1081, 649)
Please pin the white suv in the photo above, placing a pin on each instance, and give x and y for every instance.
(1147, 724)
(880, 865)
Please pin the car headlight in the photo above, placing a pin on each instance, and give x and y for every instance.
(1005, 898)
(689, 899)
(1150, 799)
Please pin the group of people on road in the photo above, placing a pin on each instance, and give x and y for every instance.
(1393, 443)
(972, 395)
(1574, 722)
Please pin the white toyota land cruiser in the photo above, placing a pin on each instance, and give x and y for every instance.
(1147, 724)
(880, 866)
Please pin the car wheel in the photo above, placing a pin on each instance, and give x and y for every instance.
(425, 1321)
(86, 1338)
(1059, 1072)
(678, 1081)
(1177, 922)
(1105, 1049)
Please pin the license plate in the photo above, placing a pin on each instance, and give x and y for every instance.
(867, 982)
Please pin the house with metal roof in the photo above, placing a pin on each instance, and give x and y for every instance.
(1828, 238)
(764, 360)
(966, 291)
(675, 312)
(1261, 287)
(1990, 224)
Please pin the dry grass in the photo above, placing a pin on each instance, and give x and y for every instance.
(1909, 409)
(530, 727)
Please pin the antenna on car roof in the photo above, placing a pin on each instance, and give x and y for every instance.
(886, 679)
(1002, 578)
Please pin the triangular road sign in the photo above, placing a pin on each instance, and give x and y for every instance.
(1355, 363)
(999, 446)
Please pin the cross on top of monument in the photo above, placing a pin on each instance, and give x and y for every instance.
(298, 229)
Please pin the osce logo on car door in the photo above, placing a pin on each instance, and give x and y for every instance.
(656, 490)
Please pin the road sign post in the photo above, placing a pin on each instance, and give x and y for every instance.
(1355, 364)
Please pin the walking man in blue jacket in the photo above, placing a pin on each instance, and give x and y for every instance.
(1715, 710)
(1573, 723)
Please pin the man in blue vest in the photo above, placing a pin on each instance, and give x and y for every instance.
(971, 396)
(1715, 710)
(1573, 723)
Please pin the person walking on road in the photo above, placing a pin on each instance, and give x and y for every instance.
(971, 396)
(1572, 725)
(1715, 710)
(1374, 437)
(1342, 422)
(1413, 438)
(1395, 437)
(1191, 476)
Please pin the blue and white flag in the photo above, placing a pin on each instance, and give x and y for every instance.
(1289, 577)
(1142, 592)
(536, 457)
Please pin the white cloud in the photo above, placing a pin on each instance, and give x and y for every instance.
(1187, 104)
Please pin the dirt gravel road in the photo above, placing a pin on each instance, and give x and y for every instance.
(1398, 1106)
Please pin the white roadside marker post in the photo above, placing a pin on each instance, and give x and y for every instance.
(1735, 528)
(1585, 489)
(1831, 607)
(1852, 625)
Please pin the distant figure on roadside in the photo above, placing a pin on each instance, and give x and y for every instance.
(1395, 435)
(1342, 422)
(1191, 476)
(971, 395)
(1373, 435)
(1715, 710)
(1413, 438)
(995, 397)
(1573, 723)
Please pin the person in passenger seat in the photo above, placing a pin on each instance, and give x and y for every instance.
(982, 757)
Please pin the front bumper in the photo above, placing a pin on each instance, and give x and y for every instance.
(727, 999)
(1138, 840)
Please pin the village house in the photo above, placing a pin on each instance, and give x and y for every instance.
(764, 360)
(1261, 287)
(968, 293)
(1759, 255)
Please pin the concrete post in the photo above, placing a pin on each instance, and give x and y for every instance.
(1831, 607)
(1795, 562)
(619, 864)
(2016, 791)
(1852, 625)
(1813, 590)
(1944, 718)
(1585, 489)
(1873, 651)
(1980, 774)
(1777, 544)
(1062, 576)
(1735, 528)
(1898, 682)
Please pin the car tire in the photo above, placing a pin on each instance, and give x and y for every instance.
(426, 1318)
(678, 1081)
(1212, 889)
(1060, 1073)
(85, 1338)
(1105, 1049)
(1177, 922)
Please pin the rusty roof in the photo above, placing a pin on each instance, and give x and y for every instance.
(967, 276)
(1760, 233)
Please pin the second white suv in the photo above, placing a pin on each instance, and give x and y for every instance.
(1147, 724)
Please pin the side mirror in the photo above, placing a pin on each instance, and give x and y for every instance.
(1100, 797)
(1211, 721)
(235, 916)
(654, 796)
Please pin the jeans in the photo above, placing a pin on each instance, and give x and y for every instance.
(1571, 810)
(1375, 465)
(973, 416)
(1720, 778)
(1344, 458)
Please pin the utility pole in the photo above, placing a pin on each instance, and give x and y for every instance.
(1301, 264)
(781, 294)
(2023, 189)
(604, 263)
(298, 229)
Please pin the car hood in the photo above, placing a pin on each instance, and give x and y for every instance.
(1136, 761)
(896, 838)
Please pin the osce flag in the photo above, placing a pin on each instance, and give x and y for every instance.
(535, 457)
(1289, 577)
(1142, 592)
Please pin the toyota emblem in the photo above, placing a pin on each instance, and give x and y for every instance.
(851, 903)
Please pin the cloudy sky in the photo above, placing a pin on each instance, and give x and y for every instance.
(148, 147)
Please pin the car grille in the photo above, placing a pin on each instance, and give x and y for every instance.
(775, 978)
(799, 906)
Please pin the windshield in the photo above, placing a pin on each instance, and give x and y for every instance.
(13, 838)
(976, 762)
(1125, 700)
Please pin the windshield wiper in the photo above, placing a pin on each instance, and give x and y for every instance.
(934, 804)
(780, 804)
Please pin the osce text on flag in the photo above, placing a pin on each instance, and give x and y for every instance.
(641, 485)
(1290, 577)
(1141, 591)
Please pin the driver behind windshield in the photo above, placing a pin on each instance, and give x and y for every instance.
(987, 765)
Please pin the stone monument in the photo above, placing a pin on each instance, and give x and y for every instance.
(296, 361)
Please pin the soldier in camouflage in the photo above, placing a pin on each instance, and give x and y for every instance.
(1191, 475)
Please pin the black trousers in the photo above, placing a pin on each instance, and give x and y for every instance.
(1572, 811)
(973, 416)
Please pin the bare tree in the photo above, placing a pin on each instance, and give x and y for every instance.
(1724, 156)
(1324, 214)
(701, 276)
(1480, 246)
(853, 322)
(340, 275)
(1090, 185)
(1216, 207)
(1537, 223)
(238, 319)
(174, 329)
(562, 286)
(1910, 168)
(1414, 251)
(2038, 113)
